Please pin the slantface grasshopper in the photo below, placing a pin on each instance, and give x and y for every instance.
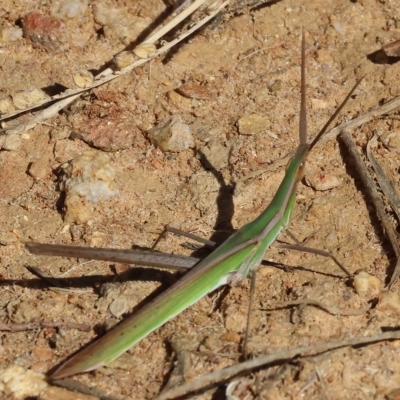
(231, 262)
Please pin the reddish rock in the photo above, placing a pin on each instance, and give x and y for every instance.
(44, 32)
(109, 134)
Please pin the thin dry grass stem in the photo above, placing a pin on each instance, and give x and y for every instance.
(370, 187)
(44, 324)
(385, 184)
(214, 378)
(362, 119)
(74, 267)
(68, 96)
(309, 302)
(160, 32)
(391, 194)
(74, 387)
(55, 283)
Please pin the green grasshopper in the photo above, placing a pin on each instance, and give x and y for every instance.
(231, 262)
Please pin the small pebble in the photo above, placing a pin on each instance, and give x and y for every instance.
(95, 239)
(389, 302)
(194, 91)
(231, 337)
(108, 134)
(103, 14)
(173, 135)
(89, 179)
(275, 87)
(179, 101)
(42, 353)
(10, 34)
(18, 383)
(391, 140)
(69, 8)
(118, 306)
(39, 169)
(253, 124)
(322, 181)
(12, 142)
(44, 32)
(367, 285)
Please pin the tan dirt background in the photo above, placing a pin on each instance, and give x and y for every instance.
(249, 63)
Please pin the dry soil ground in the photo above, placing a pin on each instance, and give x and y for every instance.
(248, 63)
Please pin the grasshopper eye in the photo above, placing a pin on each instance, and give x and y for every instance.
(301, 171)
(301, 166)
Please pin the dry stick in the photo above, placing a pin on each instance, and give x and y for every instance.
(103, 77)
(283, 355)
(356, 122)
(160, 32)
(108, 73)
(44, 324)
(385, 184)
(46, 277)
(75, 386)
(55, 284)
(376, 199)
(308, 302)
(306, 249)
(39, 117)
(249, 310)
(391, 194)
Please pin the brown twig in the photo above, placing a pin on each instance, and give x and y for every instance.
(391, 194)
(68, 96)
(46, 277)
(309, 302)
(76, 386)
(303, 351)
(362, 119)
(44, 324)
(385, 184)
(370, 186)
